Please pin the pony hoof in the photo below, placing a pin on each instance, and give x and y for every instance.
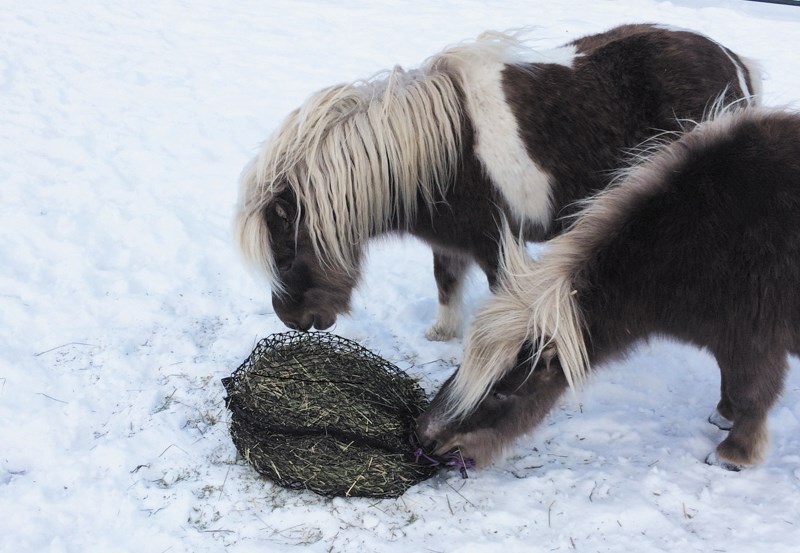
(714, 460)
(719, 421)
(438, 334)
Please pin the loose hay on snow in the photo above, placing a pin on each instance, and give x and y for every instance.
(319, 412)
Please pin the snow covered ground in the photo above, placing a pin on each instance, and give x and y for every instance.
(123, 128)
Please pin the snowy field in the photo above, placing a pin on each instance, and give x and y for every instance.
(123, 128)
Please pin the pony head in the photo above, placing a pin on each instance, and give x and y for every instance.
(353, 162)
(273, 231)
(511, 407)
(524, 349)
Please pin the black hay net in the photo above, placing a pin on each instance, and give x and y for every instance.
(320, 412)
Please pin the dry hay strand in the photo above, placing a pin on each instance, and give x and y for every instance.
(319, 412)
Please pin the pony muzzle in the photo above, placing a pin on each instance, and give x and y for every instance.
(299, 318)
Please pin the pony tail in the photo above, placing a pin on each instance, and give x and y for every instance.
(535, 302)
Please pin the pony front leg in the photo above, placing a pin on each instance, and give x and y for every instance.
(449, 270)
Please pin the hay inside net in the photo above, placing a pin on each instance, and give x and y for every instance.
(319, 412)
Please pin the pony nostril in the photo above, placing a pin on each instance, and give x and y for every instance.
(323, 322)
(425, 442)
(424, 438)
(294, 325)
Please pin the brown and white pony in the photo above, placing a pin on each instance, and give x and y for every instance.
(700, 242)
(480, 132)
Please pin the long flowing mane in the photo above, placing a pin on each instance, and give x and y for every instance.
(357, 156)
(534, 302)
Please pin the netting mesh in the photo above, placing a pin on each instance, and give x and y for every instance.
(319, 412)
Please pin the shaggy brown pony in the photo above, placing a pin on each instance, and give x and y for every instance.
(699, 242)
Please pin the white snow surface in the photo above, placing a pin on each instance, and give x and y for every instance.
(123, 129)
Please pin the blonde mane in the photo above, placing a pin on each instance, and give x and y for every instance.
(535, 302)
(358, 156)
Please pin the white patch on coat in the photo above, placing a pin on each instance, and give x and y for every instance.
(756, 85)
(523, 183)
(740, 72)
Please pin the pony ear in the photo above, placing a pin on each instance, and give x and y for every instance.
(284, 214)
(500, 396)
(548, 354)
(280, 211)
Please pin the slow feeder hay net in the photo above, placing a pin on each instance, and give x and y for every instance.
(319, 412)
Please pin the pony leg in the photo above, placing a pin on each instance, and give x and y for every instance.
(449, 271)
(751, 387)
(722, 417)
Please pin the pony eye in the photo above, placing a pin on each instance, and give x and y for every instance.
(281, 212)
(284, 262)
(499, 396)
